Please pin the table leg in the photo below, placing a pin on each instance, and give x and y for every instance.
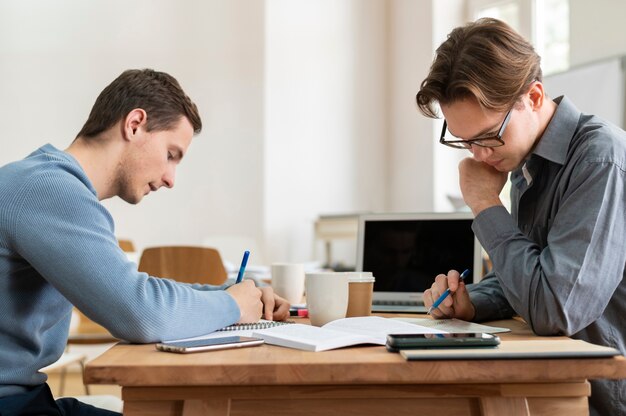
(214, 407)
(510, 406)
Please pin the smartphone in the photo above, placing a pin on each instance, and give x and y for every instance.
(209, 344)
(397, 342)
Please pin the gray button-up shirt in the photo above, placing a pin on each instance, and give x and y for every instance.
(559, 258)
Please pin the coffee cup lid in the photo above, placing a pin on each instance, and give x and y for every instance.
(365, 277)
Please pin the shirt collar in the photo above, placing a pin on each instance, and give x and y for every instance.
(554, 142)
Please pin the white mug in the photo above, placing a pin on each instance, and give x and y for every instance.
(288, 281)
(326, 296)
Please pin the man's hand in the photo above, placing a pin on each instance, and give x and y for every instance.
(275, 308)
(481, 184)
(248, 298)
(457, 304)
(255, 303)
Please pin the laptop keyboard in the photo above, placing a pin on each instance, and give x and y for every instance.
(397, 302)
(399, 308)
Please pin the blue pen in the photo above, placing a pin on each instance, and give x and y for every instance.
(242, 269)
(446, 293)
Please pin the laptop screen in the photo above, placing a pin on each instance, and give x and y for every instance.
(406, 251)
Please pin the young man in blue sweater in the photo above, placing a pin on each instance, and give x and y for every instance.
(58, 247)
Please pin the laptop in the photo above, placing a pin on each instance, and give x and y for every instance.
(405, 252)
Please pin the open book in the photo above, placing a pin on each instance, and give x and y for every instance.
(345, 332)
(340, 333)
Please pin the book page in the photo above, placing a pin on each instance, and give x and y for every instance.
(453, 325)
(312, 338)
(379, 328)
(340, 333)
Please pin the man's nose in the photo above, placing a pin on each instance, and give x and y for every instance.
(481, 153)
(168, 178)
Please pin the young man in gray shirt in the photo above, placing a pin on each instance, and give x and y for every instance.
(559, 255)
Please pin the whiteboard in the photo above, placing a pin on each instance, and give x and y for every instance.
(597, 88)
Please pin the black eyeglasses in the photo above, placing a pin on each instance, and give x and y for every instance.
(487, 141)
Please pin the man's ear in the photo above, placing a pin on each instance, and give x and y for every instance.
(134, 120)
(536, 95)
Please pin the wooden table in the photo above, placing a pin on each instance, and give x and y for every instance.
(364, 380)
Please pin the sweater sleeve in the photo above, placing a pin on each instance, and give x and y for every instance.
(67, 235)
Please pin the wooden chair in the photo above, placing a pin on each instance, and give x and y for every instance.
(82, 331)
(231, 247)
(89, 333)
(61, 366)
(184, 264)
(127, 246)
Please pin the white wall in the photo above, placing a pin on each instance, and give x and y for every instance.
(308, 106)
(447, 14)
(325, 132)
(56, 56)
(324, 149)
(596, 30)
(604, 97)
(411, 151)
(422, 172)
(342, 130)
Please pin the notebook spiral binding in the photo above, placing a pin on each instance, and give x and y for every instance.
(256, 325)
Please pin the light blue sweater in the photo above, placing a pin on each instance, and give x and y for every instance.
(58, 248)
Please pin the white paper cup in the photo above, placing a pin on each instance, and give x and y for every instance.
(326, 296)
(288, 281)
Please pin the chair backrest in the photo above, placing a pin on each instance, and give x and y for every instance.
(126, 246)
(185, 264)
(89, 332)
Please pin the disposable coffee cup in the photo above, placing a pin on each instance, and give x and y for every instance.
(360, 291)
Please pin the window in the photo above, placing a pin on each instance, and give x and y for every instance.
(554, 18)
(544, 22)
(508, 11)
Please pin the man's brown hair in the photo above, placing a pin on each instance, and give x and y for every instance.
(157, 93)
(485, 59)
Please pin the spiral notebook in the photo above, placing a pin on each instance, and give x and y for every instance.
(261, 324)
(244, 330)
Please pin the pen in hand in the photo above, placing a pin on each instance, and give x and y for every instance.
(446, 293)
(242, 268)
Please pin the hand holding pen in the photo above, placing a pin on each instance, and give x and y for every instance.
(246, 295)
(242, 268)
(256, 302)
(446, 293)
